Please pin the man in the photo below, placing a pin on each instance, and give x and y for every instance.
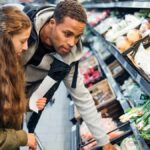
(55, 49)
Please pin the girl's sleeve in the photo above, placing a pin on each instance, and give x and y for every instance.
(12, 139)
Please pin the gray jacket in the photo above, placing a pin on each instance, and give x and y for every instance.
(81, 96)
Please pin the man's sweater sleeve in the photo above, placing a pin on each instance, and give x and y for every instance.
(86, 107)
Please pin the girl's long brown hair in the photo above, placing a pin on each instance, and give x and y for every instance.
(12, 88)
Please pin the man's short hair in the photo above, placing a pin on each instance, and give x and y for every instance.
(70, 8)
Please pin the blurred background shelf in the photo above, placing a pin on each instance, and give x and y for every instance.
(125, 4)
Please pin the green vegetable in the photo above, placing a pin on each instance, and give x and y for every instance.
(144, 118)
(142, 121)
(146, 129)
(140, 125)
(145, 135)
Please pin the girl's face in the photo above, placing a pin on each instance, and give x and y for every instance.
(20, 41)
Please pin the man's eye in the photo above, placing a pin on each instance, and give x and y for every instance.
(67, 34)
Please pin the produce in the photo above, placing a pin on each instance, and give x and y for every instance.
(141, 59)
(145, 28)
(123, 43)
(141, 116)
(145, 135)
(146, 129)
(132, 114)
(115, 134)
(89, 146)
(141, 124)
(129, 144)
(133, 35)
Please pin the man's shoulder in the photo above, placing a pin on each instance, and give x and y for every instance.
(33, 10)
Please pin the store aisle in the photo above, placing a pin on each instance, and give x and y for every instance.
(54, 126)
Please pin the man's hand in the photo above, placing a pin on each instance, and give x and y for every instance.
(108, 147)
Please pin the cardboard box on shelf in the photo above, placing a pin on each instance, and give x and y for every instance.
(115, 68)
(102, 93)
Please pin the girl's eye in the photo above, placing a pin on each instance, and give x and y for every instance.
(22, 42)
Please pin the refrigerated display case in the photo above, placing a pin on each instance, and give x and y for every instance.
(125, 66)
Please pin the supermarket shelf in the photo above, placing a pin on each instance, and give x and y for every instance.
(133, 4)
(111, 80)
(144, 84)
(126, 4)
(124, 103)
(99, 5)
(142, 144)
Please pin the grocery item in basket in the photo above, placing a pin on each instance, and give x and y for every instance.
(123, 43)
(134, 93)
(122, 28)
(129, 143)
(102, 92)
(115, 134)
(106, 24)
(142, 58)
(145, 28)
(133, 113)
(89, 146)
(109, 126)
(133, 35)
(115, 68)
(94, 17)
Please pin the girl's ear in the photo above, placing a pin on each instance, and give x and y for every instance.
(52, 21)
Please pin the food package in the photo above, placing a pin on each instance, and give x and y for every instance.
(133, 35)
(145, 28)
(109, 126)
(123, 27)
(123, 43)
(129, 143)
(102, 92)
(142, 58)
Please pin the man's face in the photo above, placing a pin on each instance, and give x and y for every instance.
(64, 36)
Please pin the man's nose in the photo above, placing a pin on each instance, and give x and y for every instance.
(71, 42)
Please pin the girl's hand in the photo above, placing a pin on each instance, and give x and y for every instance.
(31, 141)
(41, 102)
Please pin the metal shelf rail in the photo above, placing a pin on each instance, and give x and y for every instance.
(72, 113)
(75, 137)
